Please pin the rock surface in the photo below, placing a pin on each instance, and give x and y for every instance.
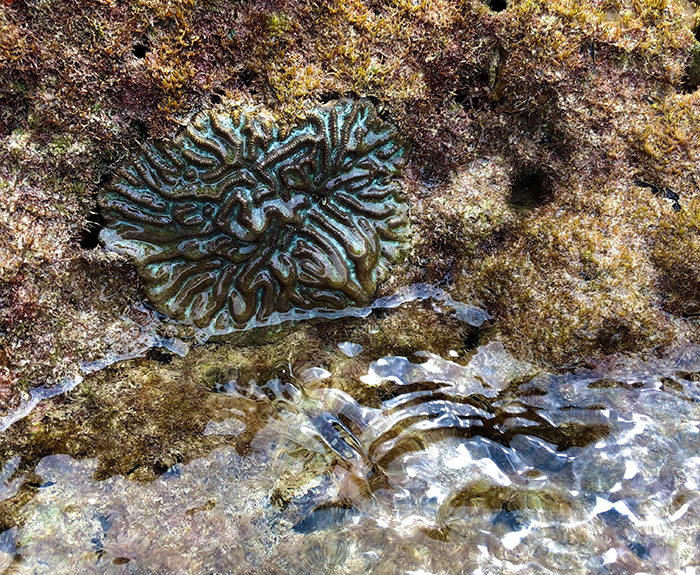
(553, 179)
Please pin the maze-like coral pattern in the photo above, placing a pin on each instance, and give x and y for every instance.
(235, 223)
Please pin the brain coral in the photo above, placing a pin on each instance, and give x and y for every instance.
(236, 223)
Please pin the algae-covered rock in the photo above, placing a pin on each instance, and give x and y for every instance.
(532, 123)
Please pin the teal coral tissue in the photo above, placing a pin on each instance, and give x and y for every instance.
(236, 223)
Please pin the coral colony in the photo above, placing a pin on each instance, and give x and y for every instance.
(236, 223)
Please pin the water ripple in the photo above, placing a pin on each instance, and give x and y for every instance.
(493, 466)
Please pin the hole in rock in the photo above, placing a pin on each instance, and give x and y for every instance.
(14, 110)
(139, 50)
(498, 5)
(217, 96)
(140, 128)
(160, 355)
(530, 190)
(383, 112)
(329, 97)
(89, 237)
(471, 87)
(471, 340)
(247, 77)
(159, 468)
(692, 72)
(640, 550)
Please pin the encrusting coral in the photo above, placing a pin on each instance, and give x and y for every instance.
(235, 221)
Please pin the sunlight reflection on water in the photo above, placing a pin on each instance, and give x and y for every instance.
(487, 468)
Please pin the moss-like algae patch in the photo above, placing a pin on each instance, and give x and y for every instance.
(583, 98)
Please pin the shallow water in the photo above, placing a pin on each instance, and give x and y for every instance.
(484, 468)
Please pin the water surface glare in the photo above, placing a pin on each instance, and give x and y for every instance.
(435, 468)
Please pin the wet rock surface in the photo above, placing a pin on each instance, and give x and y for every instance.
(487, 461)
(479, 417)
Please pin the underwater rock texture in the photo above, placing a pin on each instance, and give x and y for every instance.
(530, 126)
(234, 221)
(210, 464)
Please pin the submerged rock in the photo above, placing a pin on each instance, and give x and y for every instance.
(227, 461)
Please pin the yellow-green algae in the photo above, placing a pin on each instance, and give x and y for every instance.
(587, 95)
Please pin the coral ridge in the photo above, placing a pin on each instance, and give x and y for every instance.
(235, 220)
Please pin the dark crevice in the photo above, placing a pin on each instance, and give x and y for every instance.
(139, 50)
(471, 87)
(14, 111)
(692, 72)
(141, 129)
(89, 237)
(159, 355)
(530, 190)
(217, 96)
(382, 112)
(247, 77)
(376, 101)
(159, 468)
(329, 97)
(497, 5)
(471, 340)
(662, 192)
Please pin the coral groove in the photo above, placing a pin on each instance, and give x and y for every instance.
(236, 223)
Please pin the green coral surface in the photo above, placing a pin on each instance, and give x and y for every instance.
(234, 222)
